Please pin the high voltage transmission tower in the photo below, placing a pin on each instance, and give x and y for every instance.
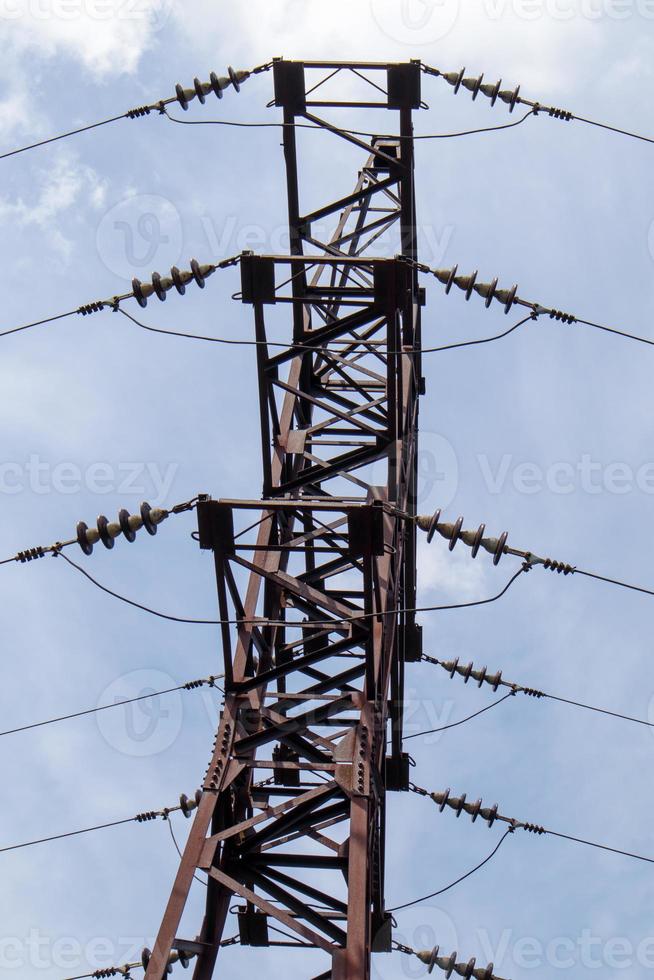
(316, 580)
(292, 820)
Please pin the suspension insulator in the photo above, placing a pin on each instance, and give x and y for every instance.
(491, 91)
(199, 90)
(158, 287)
(142, 290)
(197, 273)
(107, 532)
(152, 516)
(178, 280)
(473, 85)
(499, 549)
(467, 283)
(433, 524)
(507, 296)
(181, 96)
(459, 805)
(476, 539)
(187, 806)
(454, 78)
(217, 85)
(148, 523)
(510, 97)
(126, 524)
(233, 78)
(455, 533)
(87, 537)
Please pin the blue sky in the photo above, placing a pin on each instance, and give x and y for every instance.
(98, 414)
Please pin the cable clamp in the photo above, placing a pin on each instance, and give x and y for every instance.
(225, 263)
(143, 110)
(559, 567)
(87, 308)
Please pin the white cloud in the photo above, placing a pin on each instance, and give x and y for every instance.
(451, 575)
(107, 37)
(64, 185)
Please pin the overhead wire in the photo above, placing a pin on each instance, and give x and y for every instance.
(70, 833)
(179, 853)
(468, 874)
(490, 815)
(188, 686)
(63, 136)
(455, 724)
(342, 129)
(512, 98)
(145, 817)
(372, 347)
(481, 676)
(182, 97)
(257, 621)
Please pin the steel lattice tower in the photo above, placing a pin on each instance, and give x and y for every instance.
(291, 820)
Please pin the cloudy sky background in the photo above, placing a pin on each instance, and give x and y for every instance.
(98, 415)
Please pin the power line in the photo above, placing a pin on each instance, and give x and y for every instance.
(614, 129)
(138, 605)
(176, 956)
(145, 817)
(455, 724)
(187, 686)
(160, 286)
(371, 346)
(498, 547)
(490, 815)
(258, 621)
(509, 299)
(468, 874)
(182, 96)
(342, 129)
(512, 98)
(107, 531)
(481, 675)
(71, 833)
(63, 136)
(179, 853)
